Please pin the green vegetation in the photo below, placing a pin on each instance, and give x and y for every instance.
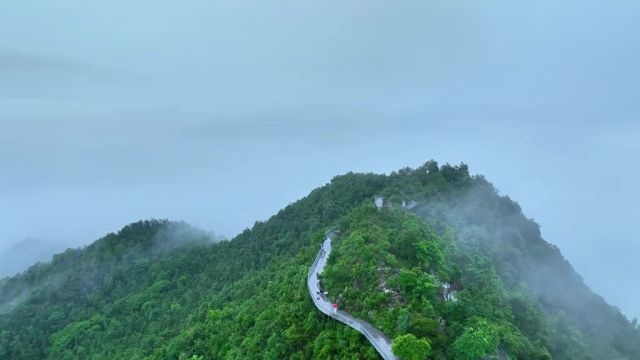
(463, 275)
(391, 269)
(408, 347)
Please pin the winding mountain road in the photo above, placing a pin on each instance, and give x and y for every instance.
(379, 341)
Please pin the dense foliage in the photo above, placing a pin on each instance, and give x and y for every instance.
(391, 269)
(454, 277)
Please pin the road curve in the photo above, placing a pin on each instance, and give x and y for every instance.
(379, 341)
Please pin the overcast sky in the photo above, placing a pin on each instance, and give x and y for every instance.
(222, 112)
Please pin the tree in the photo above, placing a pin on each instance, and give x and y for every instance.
(408, 347)
(476, 341)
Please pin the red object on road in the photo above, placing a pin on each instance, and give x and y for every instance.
(335, 306)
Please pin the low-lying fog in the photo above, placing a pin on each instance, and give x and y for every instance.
(220, 113)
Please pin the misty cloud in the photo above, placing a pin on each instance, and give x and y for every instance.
(31, 77)
(221, 113)
(10, 63)
(25, 253)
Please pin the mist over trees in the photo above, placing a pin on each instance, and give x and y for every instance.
(461, 275)
(24, 253)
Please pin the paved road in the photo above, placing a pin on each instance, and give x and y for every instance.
(375, 336)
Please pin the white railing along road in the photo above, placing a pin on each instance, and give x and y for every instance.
(379, 341)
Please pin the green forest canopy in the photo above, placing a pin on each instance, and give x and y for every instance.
(462, 275)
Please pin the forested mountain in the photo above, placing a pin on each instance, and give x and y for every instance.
(448, 268)
(21, 254)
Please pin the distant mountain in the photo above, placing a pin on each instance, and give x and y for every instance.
(24, 253)
(446, 268)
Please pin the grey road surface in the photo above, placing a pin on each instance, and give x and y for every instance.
(379, 341)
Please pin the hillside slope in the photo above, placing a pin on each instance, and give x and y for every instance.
(462, 275)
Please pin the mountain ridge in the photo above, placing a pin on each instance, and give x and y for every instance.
(247, 298)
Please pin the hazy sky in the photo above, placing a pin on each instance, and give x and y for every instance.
(222, 112)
